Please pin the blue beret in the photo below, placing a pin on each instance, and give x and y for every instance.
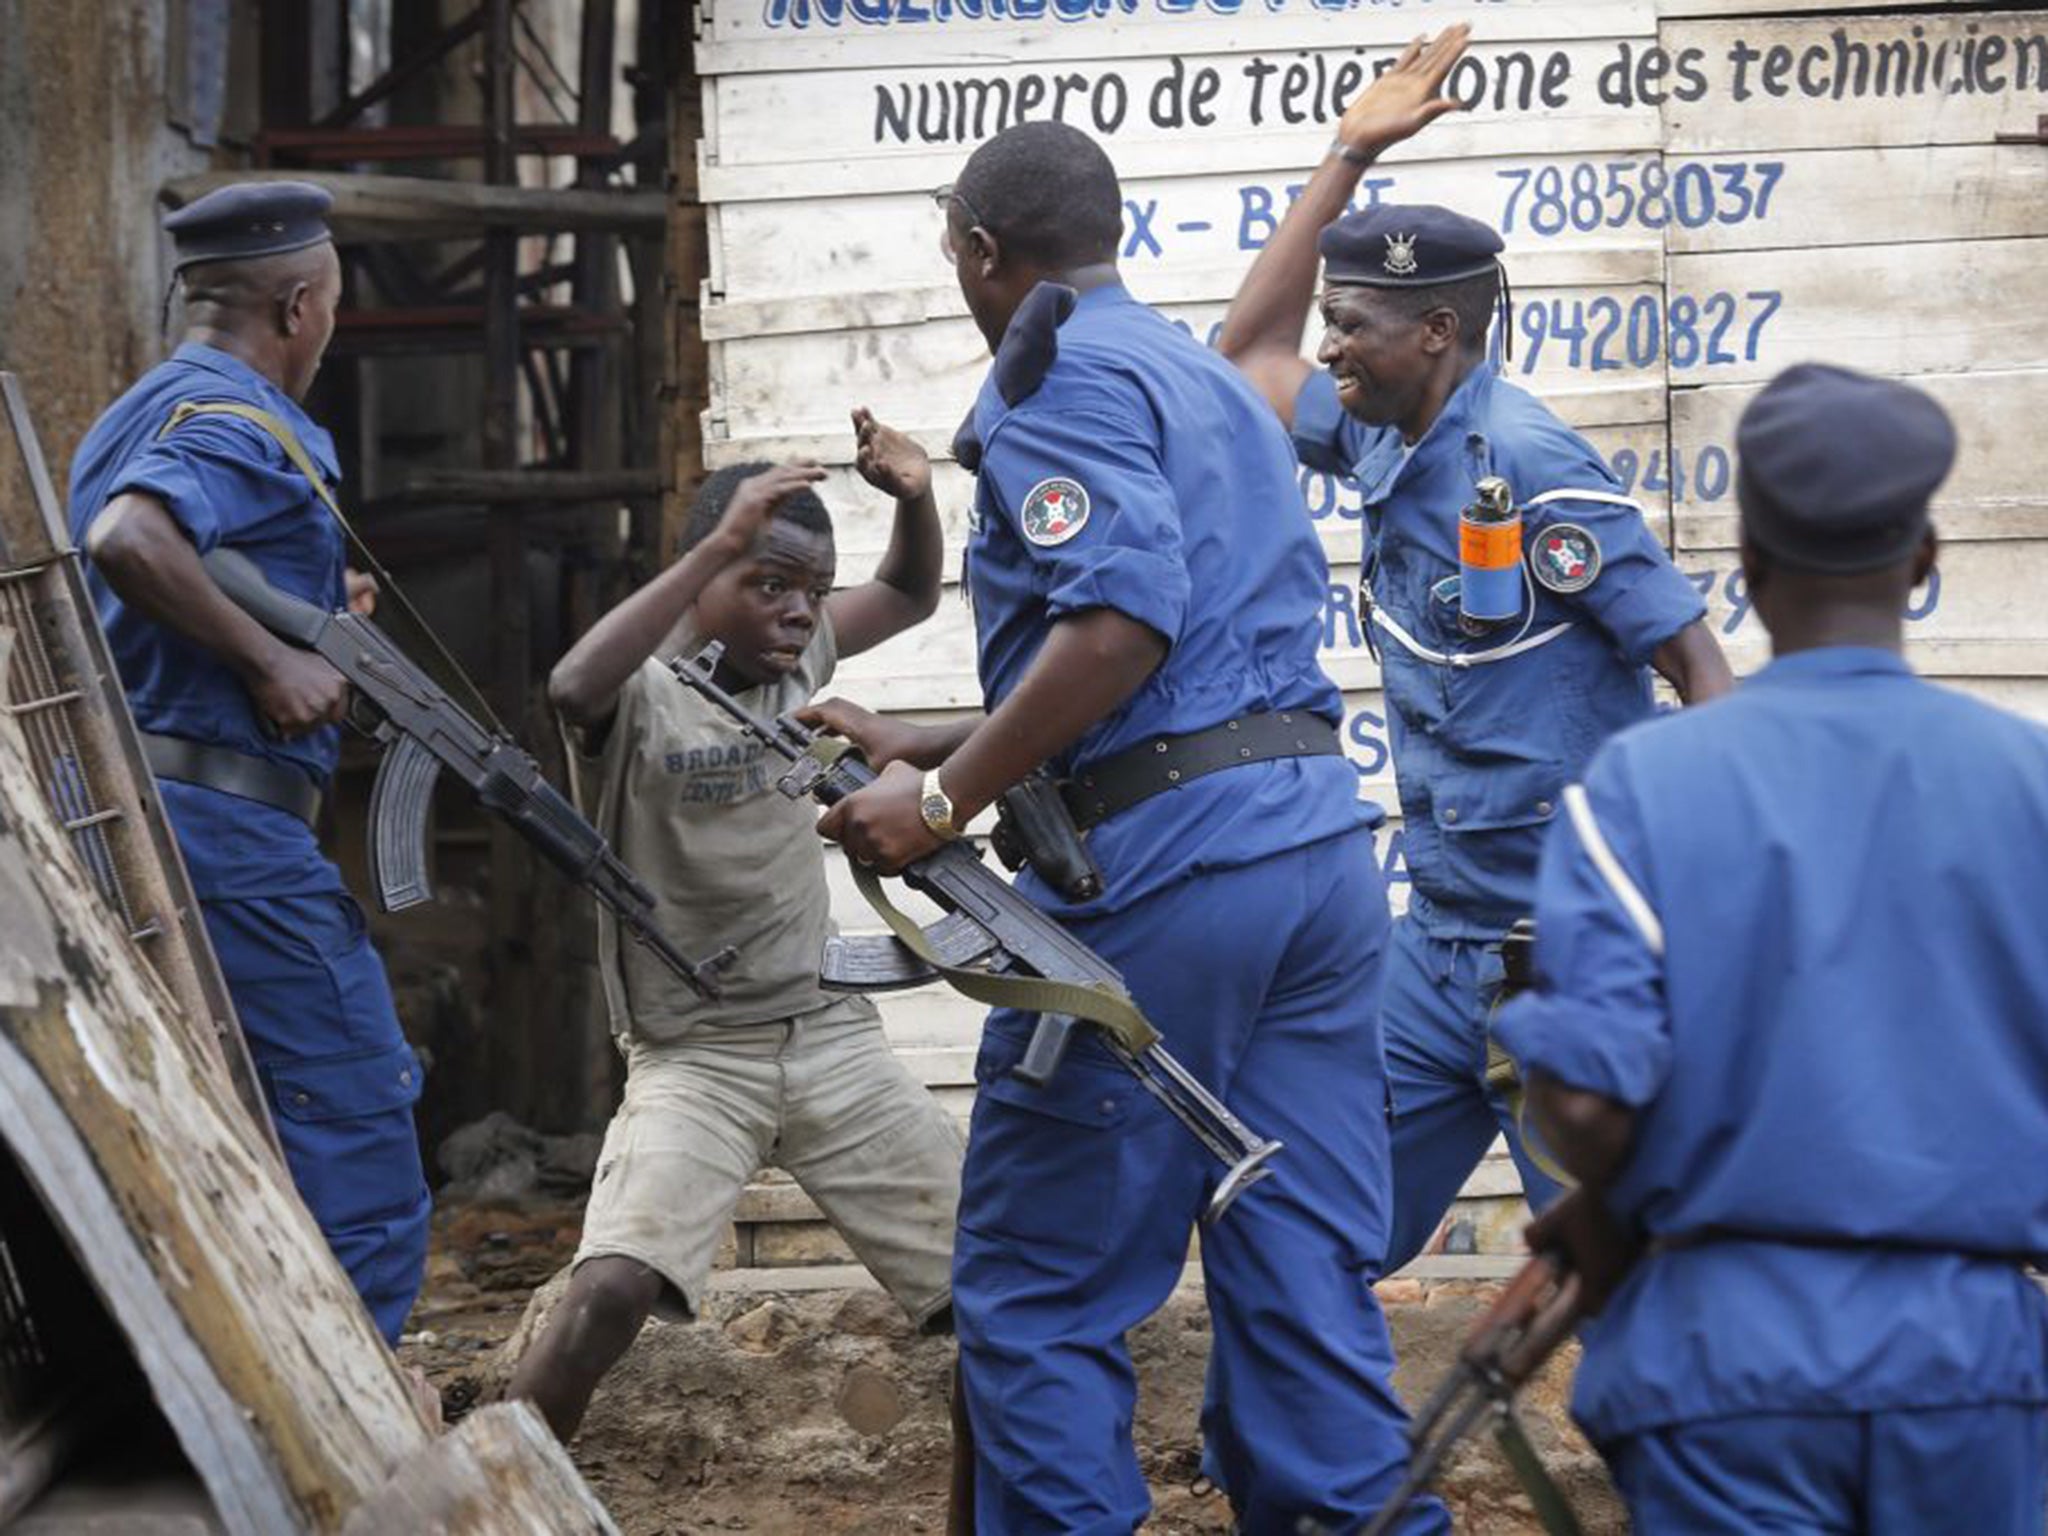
(250, 218)
(1837, 467)
(1410, 245)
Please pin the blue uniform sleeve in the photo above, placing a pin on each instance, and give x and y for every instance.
(1081, 485)
(1597, 1020)
(218, 476)
(1326, 436)
(1639, 598)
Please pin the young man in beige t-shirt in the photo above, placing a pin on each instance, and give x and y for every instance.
(775, 1070)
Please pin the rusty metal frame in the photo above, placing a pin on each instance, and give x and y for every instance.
(62, 690)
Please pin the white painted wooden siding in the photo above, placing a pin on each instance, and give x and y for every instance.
(1748, 215)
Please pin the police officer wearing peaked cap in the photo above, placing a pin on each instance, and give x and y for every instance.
(1789, 1027)
(211, 449)
(1492, 710)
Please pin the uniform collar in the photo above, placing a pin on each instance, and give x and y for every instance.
(996, 399)
(1465, 411)
(1833, 661)
(229, 366)
(248, 381)
(1459, 421)
(1104, 297)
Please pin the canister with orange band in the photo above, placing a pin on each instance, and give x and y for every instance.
(1490, 556)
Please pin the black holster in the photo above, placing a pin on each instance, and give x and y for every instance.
(1518, 958)
(1035, 827)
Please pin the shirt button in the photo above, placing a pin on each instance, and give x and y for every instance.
(405, 1077)
(1543, 807)
(302, 1099)
(1107, 1106)
(1450, 813)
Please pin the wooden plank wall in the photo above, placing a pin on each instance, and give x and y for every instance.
(1691, 199)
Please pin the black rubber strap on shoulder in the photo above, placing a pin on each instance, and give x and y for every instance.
(1152, 767)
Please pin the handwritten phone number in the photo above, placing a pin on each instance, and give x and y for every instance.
(1687, 332)
(1643, 194)
(1734, 589)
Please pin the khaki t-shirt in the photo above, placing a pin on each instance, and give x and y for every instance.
(689, 801)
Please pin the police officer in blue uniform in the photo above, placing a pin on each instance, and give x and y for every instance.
(1492, 708)
(1147, 594)
(241, 729)
(1790, 1027)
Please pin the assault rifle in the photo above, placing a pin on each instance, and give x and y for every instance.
(423, 732)
(994, 946)
(1581, 1253)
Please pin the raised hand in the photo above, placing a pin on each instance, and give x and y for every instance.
(888, 460)
(756, 499)
(1408, 97)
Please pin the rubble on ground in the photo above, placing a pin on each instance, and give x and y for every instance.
(788, 1411)
(496, 1160)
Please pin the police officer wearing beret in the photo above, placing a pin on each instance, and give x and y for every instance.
(1489, 718)
(211, 449)
(1790, 1027)
(1147, 594)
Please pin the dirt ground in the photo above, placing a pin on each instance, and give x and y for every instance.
(819, 1413)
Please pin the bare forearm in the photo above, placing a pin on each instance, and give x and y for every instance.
(585, 683)
(914, 562)
(936, 743)
(1590, 1134)
(1693, 663)
(1272, 304)
(1089, 666)
(150, 563)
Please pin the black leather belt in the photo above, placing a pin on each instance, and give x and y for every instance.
(1115, 784)
(1702, 1237)
(232, 773)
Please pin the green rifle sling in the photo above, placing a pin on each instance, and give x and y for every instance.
(1110, 1009)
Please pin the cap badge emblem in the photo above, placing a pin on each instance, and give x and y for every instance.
(1054, 511)
(1400, 260)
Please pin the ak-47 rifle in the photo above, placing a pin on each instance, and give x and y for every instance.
(424, 732)
(1581, 1253)
(995, 947)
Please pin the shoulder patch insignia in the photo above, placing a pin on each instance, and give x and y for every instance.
(1565, 559)
(1055, 511)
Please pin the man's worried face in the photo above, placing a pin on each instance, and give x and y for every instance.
(766, 607)
(1375, 352)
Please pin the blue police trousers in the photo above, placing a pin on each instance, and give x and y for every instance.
(316, 1009)
(1078, 1200)
(1433, 1012)
(1981, 1470)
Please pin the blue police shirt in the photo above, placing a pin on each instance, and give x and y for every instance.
(1144, 475)
(1843, 1042)
(225, 482)
(1481, 752)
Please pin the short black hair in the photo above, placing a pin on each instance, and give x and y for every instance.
(1471, 299)
(1048, 191)
(248, 283)
(805, 509)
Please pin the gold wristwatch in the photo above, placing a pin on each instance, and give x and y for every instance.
(936, 806)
